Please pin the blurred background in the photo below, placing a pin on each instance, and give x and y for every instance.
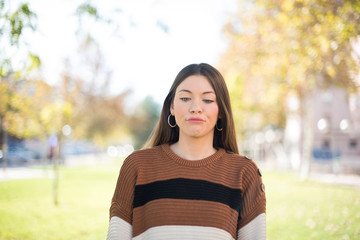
(82, 84)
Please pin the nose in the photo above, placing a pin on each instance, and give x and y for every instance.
(195, 107)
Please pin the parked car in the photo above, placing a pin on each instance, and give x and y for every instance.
(18, 155)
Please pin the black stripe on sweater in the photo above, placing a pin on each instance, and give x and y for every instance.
(181, 188)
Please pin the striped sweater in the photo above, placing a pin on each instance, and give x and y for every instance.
(160, 195)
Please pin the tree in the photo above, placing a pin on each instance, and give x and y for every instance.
(12, 26)
(287, 47)
(31, 107)
(97, 115)
(143, 121)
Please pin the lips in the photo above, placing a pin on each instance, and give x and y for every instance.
(196, 120)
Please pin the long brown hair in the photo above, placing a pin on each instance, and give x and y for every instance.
(226, 138)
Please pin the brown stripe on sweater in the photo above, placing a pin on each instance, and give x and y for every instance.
(163, 164)
(184, 212)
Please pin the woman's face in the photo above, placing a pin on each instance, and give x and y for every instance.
(195, 107)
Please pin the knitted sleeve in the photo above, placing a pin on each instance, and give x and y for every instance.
(122, 202)
(252, 221)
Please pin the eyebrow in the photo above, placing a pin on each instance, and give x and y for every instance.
(188, 91)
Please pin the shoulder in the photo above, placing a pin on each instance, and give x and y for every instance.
(245, 166)
(139, 156)
(145, 152)
(242, 161)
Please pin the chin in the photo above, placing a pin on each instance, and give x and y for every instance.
(198, 134)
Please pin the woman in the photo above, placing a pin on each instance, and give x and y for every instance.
(190, 183)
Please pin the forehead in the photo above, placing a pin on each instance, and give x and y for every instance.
(196, 84)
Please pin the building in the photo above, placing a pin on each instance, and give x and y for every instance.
(336, 127)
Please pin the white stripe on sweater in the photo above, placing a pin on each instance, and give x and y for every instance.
(254, 230)
(119, 229)
(122, 230)
(170, 232)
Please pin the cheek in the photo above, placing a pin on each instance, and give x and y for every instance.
(178, 108)
(214, 112)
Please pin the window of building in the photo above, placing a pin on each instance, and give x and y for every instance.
(353, 143)
(325, 144)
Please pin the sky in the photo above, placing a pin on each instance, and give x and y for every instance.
(148, 44)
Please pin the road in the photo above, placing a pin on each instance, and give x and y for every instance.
(38, 171)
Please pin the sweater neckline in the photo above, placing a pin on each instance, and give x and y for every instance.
(192, 163)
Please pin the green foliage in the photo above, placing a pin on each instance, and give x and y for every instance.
(35, 62)
(27, 108)
(288, 47)
(14, 98)
(13, 23)
(87, 8)
(12, 26)
(21, 18)
(5, 65)
(31, 108)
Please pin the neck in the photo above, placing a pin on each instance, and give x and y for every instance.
(194, 148)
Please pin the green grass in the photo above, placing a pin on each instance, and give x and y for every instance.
(27, 210)
(295, 209)
(307, 210)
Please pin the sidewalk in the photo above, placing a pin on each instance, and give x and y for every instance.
(15, 173)
(348, 180)
(24, 172)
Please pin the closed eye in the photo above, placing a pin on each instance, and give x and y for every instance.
(185, 99)
(208, 101)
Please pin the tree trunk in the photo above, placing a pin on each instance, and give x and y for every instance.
(56, 180)
(4, 143)
(56, 159)
(307, 131)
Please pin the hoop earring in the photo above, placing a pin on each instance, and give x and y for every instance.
(170, 123)
(216, 125)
